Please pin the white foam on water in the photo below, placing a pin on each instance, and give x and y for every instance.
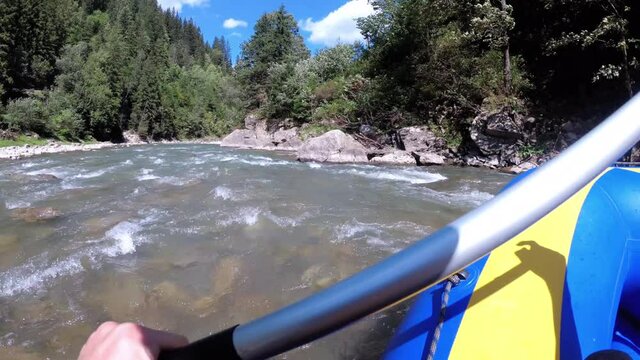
(91, 175)
(224, 193)
(404, 175)
(268, 162)
(16, 204)
(158, 161)
(228, 158)
(146, 175)
(124, 235)
(314, 165)
(128, 162)
(30, 164)
(66, 185)
(34, 274)
(244, 216)
(284, 221)
(379, 235)
(465, 196)
(38, 272)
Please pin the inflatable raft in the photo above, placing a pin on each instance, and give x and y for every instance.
(567, 287)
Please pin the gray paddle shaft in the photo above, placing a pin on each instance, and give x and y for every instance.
(448, 250)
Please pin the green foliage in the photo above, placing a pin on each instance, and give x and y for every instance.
(23, 140)
(342, 110)
(78, 69)
(276, 40)
(492, 25)
(27, 115)
(95, 70)
(333, 62)
(529, 150)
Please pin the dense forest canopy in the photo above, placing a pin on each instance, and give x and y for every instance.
(93, 68)
(80, 69)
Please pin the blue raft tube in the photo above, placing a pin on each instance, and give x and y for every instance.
(567, 287)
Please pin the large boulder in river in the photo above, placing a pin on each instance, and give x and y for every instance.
(396, 157)
(286, 139)
(333, 146)
(256, 135)
(245, 139)
(419, 139)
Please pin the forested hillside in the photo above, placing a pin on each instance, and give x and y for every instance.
(93, 68)
(79, 69)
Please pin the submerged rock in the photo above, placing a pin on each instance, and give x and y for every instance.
(226, 274)
(32, 215)
(318, 277)
(24, 178)
(333, 146)
(8, 240)
(19, 353)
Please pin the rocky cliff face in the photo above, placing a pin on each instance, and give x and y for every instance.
(256, 135)
(496, 140)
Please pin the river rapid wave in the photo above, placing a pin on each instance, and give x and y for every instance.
(195, 238)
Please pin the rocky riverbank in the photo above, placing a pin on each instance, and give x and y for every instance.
(17, 152)
(496, 141)
(52, 147)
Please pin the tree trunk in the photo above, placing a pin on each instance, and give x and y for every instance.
(508, 78)
(625, 66)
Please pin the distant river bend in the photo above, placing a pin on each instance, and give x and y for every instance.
(196, 238)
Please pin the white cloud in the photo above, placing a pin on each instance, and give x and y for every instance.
(340, 25)
(232, 23)
(177, 4)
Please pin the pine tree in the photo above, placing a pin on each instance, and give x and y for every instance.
(276, 39)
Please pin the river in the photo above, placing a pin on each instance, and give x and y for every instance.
(197, 238)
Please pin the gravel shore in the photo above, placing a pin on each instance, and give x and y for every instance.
(17, 152)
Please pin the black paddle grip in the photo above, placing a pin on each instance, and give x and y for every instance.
(217, 346)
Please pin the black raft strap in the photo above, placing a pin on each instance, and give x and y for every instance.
(217, 346)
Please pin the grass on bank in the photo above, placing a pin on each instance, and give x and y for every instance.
(22, 140)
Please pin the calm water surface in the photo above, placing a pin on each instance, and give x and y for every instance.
(197, 238)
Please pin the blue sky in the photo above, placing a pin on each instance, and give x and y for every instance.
(323, 23)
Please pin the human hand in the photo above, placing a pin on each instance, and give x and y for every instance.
(128, 341)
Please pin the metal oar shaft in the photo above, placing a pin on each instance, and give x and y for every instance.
(443, 253)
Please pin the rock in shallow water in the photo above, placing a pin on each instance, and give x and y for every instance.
(25, 178)
(333, 146)
(32, 215)
(428, 158)
(225, 275)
